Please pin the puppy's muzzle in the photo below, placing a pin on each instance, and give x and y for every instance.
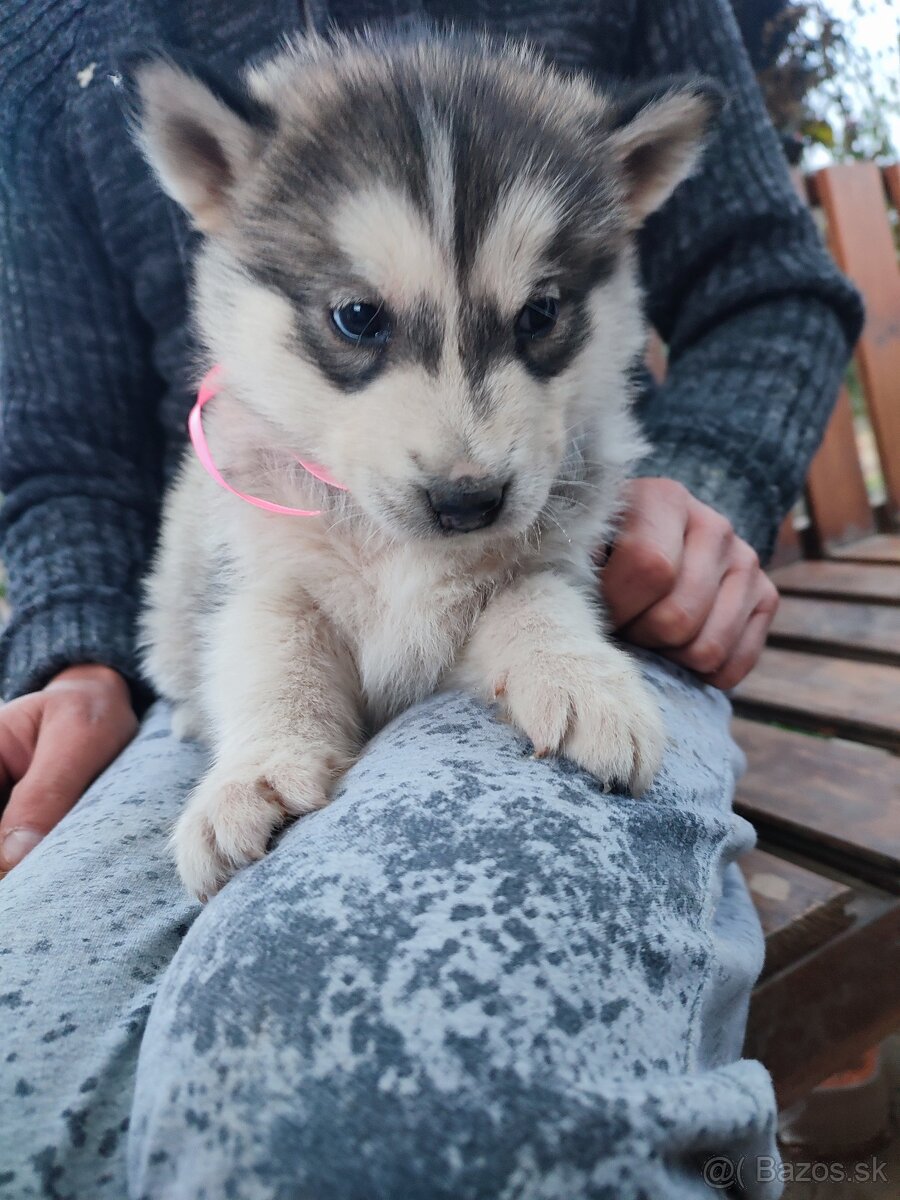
(466, 504)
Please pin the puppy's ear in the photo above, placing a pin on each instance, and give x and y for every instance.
(199, 134)
(657, 135)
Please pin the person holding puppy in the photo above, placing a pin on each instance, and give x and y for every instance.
(486, 968)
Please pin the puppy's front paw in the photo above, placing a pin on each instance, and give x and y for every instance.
(594, 709)
(233, 813)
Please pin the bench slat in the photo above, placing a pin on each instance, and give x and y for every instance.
(892, 181)
(852, 196)
(836, 495)
(877, 584)
(815, 1017)
(840, 627)
(798, 909)
(836, 498)
(856, 699)
(788, 546)
(834, 800)
(882, 548)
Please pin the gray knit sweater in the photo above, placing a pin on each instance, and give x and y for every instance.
(95, 334)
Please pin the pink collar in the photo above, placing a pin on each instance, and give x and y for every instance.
(209, 388)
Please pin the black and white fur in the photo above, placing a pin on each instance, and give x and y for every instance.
(449, 181)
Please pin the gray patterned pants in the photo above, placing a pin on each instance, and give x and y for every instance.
(474, 975)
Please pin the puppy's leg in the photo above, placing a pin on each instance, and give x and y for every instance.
(539, 650)
(282, 698)
(175, 597)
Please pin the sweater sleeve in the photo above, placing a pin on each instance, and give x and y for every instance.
(758, 320)
(79, 451)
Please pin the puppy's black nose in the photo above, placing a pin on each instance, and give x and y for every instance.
(466, 504)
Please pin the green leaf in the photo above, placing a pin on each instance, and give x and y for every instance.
(819, 132)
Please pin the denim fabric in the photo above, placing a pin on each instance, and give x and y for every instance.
(474, 975)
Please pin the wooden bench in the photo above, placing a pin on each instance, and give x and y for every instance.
(819, 718)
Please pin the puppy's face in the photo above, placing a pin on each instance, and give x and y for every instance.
(419, 267)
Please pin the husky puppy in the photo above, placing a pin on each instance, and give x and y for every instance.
(419, 270)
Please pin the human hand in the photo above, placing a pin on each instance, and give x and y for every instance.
(53, 744)
(681, 582)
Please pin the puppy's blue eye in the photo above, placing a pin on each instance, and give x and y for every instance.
(362, 323)
(537, 318)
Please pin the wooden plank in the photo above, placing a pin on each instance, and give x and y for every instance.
(836, 495)
(798, 179)
(788, 547)
(834, 695)
(813, 1018)
(875, 584)
(882, 548)
(853, 198)
(834, 800)
(842, 627)
(892, 183)
(798, 908)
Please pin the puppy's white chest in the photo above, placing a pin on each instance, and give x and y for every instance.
(408, 635)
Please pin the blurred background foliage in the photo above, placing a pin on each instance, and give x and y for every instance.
(825, 88)
(830, 75)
